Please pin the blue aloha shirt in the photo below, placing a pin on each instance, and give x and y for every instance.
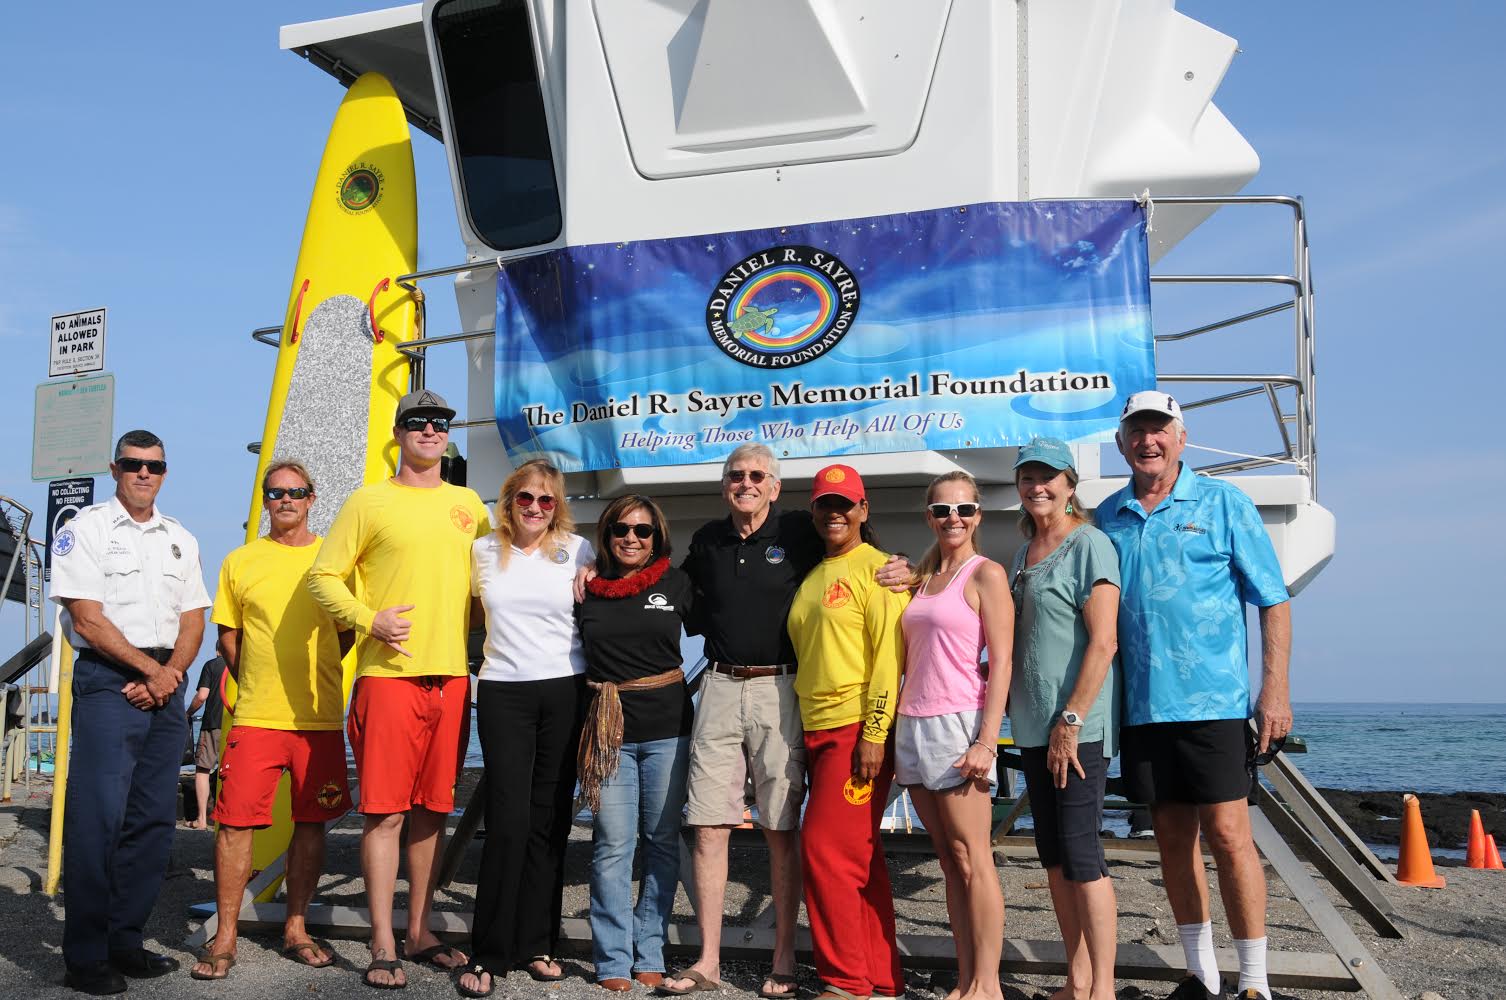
(1186, 571)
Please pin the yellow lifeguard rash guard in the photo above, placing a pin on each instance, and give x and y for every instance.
(405, 545)
(288, 674)
(845, 628)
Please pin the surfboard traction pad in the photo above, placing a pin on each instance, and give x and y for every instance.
(324, 418)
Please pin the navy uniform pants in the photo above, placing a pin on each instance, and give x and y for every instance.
(120, 810)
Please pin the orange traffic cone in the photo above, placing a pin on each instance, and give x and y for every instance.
(1492, 856)
(1415, 866)
(1474, 856)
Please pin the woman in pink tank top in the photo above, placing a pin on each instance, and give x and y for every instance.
(950, 709)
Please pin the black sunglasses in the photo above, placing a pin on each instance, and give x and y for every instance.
(293, 492)
(754, 476)
(942, 511)
(525, 499)
(621, 529)
(1273, 748)
(416, 423)
(155, 466)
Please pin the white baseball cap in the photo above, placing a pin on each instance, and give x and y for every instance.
(1151, 401)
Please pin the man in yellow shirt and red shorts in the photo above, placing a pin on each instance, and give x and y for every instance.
(284, 652)
(408, 540)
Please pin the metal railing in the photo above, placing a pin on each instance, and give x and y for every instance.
(1296, 424)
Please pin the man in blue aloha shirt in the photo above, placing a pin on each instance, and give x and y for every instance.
(1192, 552)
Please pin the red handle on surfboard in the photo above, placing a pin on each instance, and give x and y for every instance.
(376, 331)
(298, 311)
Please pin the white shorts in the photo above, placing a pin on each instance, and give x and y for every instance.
(927, 748)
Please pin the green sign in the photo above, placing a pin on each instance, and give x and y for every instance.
(74, 428)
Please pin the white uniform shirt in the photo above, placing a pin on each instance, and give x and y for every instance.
(145, 574)
(530, 610)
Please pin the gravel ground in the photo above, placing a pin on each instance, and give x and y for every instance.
(1454, 945)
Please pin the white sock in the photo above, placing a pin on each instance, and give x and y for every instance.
(1197, 944)
(1252, 965)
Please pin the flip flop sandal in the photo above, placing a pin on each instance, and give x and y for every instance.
(388, 965)
(304, 954)
(478, 970)
(541, 977)
(700, 984)
(779, 979)
(429, 954)
(214, 961)
(837, 993)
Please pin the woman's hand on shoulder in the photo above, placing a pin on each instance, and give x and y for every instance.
(897, 575)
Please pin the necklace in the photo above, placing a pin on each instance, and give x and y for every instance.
(627, 586)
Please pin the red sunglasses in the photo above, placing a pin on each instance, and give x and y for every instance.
(525, 499)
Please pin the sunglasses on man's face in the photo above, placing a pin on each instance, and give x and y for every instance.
(441, 424)
(291, 492)
(155, 466)
(754, 476)
(621, 529)
(523, 499)
(942, 511)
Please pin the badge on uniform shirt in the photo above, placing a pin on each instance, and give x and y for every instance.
(560, 556)
(773, 555)
(177, 552)
(63, 543)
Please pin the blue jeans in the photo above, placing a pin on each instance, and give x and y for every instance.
(644, 799)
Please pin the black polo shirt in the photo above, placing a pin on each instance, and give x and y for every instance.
(744, 586)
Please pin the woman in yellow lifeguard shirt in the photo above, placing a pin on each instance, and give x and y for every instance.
(845, 628)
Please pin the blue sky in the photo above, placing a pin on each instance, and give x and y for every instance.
(158, 160)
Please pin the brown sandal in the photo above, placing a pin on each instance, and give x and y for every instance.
(206, 957)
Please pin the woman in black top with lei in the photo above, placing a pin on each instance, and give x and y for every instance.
(635, 748)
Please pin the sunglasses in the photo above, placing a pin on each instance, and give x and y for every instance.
(441, 424)
(292, 492)
(942, 511)
(621, 529)
(754, 476)
(1273, 748)
(155, 466)
(525, 499)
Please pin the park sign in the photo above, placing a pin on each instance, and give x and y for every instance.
(77, 343)
(73, 428)
(65, 498)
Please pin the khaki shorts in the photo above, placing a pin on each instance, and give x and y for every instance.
(206, 755)
(747, 728)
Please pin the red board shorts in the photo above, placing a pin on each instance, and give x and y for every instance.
(408, 735)
(252, 766)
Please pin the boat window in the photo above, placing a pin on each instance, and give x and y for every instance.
(497, 129)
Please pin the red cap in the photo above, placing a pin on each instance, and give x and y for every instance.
(838, 480)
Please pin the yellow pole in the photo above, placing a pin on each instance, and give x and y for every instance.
(60, 772)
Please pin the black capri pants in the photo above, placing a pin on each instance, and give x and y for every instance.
(1067, 819)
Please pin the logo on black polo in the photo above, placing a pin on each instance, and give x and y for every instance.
(782, 307)
(360, 187)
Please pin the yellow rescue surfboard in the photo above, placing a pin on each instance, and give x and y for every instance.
(339, 374)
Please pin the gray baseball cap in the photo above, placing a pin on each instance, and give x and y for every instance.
(424, 401)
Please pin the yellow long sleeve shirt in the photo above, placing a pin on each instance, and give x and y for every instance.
(845, 628)
(404, 545)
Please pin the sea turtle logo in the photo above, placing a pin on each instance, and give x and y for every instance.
(857, 791)
(461, 518)
(835, 476)
(782, 307)
(836, 596)
(360, 187)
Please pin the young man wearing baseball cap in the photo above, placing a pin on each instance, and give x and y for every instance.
(408, 539)
(1192, 550)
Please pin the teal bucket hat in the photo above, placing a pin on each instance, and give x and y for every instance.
(1048, 451)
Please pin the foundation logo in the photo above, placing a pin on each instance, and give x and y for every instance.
(836, 596)
(461, 518)
(857, 791)
(331, 795)
(360, 187)
(782, 307)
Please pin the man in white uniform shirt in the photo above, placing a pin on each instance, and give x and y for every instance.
(133, 600)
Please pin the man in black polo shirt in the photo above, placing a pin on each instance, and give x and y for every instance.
(746, 568)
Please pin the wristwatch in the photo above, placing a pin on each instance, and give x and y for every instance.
(1071, 718)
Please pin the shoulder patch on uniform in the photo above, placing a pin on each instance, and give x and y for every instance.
(63, 543)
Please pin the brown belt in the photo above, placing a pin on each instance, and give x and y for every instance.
(601, 736)
(747, 673)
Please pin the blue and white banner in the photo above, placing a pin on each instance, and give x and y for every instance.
(971, 327)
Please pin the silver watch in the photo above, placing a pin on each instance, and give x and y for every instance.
(1071, 718)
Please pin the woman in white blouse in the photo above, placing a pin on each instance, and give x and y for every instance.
(529, 706)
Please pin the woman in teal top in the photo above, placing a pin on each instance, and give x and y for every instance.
(1064, 702)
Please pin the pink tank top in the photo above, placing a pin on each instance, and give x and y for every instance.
(943, 646)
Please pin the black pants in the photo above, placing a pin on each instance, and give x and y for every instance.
(529, 732)
(119, 809)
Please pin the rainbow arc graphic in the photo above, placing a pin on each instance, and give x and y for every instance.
(782, 280)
